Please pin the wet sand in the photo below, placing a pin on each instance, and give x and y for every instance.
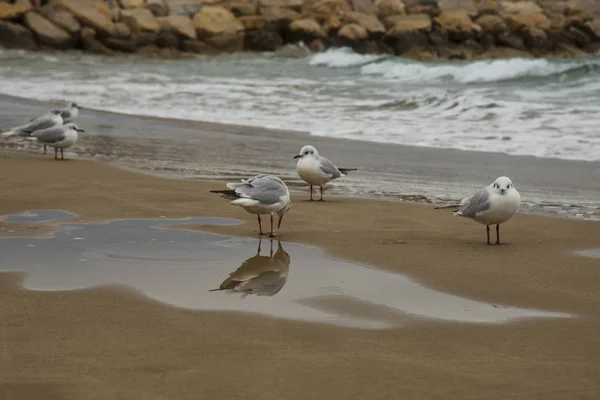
(200, 150)
(109, 342)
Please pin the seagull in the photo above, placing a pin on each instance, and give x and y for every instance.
(70, 112)
(48, 120)
(492, 205)
(260, 195)
(59, 137)
(259, 275)
(317, 170)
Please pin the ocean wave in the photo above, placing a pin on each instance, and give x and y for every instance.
(342, 58)
(488, 71)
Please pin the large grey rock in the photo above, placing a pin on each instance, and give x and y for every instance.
(15, 36)
(47, 33)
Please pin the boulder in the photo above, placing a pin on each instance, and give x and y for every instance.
(580, 38)
(168, 40)
(158, 8)
(184, 7)
(263, 41)
(295, 5)
(536, 40)
(492, 23)
(370, 22)
(124, 45)
(253, 22)
(131, 3)
(458, 25)
(510, 40)
(390, 21)
(454, 5)
(47, 33)
(593, 29)
(140, 20)
(387, 8)
(523, 20)
(279, 17)
(219, 28)
(363, 6)
(519, 7)
(332, 25)
(240, 8)
(90, 42)
(330, 7)
(304, 30)
(15, 36)
(180, 25)
(410, 31)
(353, 33)
(93, 13)
(61, 18)
(429, 7)
(122, 30)
(411, 23)
(14, 11)
(214, 20)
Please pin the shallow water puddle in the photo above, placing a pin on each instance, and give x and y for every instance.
(595, 253)
(205, 271)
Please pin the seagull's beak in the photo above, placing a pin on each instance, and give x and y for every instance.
(297, 156)
(279, 223)
(79, 130)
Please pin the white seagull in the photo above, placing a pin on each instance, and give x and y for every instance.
(317, 170)
(260, 195)
(48, 120)
(59, 137)
(492, 205)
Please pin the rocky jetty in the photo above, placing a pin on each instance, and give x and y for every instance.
(420, 29)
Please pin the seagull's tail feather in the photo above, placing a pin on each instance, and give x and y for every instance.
(346, 170)
(10, 133)
(228, 194)
(445, 207)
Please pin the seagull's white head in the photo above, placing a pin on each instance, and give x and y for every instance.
(307, 151)
(73, 127)
(502, 185)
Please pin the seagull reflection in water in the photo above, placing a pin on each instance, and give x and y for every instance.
(259, 275)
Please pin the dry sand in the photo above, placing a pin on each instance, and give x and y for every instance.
(107, 343)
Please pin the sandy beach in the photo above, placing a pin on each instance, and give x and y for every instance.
(111, 342)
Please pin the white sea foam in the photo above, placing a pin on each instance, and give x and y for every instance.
(342, 94)
(342, 57)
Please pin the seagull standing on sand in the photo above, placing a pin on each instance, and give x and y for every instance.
(260, 195)
(492, 205)
(59, 137)
(317, 170)
(48, 120)
(259, 275)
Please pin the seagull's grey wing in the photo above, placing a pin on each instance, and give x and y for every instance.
(267, 189)
(473, 205)
(328, 167)
(50, 135)
(43, 122)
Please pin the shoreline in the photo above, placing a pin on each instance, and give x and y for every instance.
(205, 150)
